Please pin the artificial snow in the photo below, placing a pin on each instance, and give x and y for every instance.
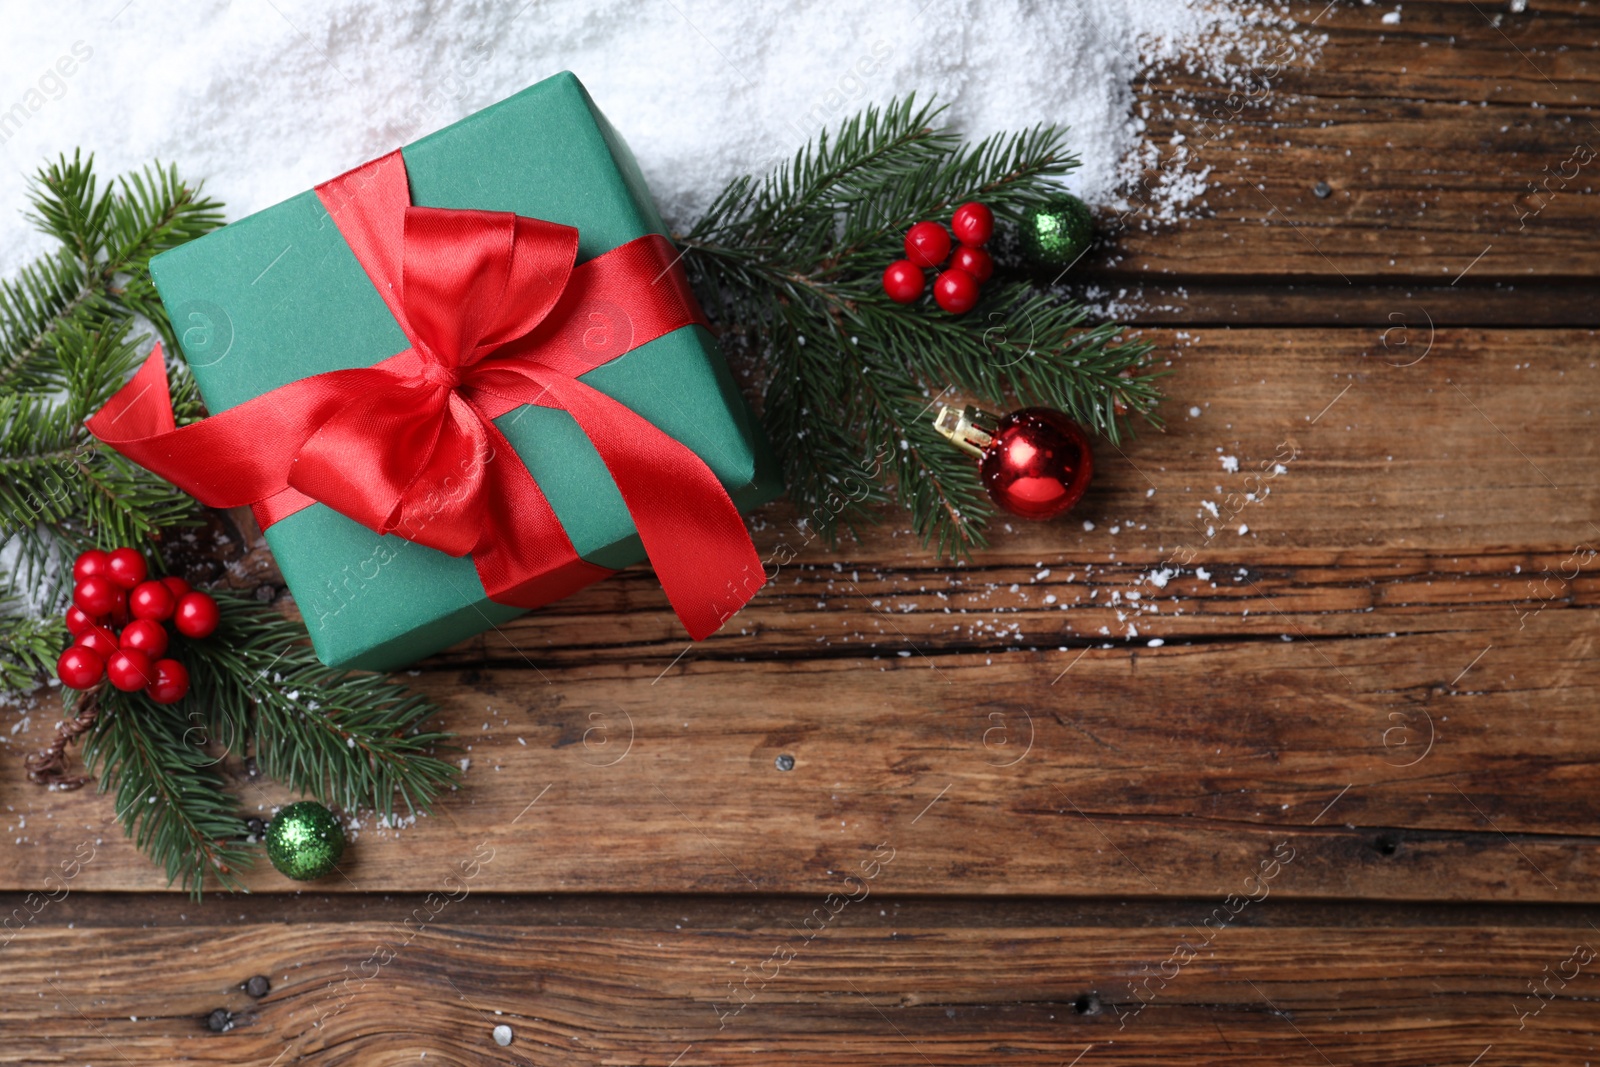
(265, 99)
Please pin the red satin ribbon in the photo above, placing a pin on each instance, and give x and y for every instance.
(498, 317)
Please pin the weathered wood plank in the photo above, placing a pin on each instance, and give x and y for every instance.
(871, 988)
(1425, 469)
(1461, 128)
(1383, 308)
(1138, 772)
(1462, 483)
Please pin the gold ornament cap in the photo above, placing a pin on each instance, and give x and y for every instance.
(968, 428)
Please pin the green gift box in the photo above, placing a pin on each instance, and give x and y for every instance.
(279, 296)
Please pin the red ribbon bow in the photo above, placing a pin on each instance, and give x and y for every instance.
(498, 317)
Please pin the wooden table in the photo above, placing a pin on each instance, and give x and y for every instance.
(1333, 804)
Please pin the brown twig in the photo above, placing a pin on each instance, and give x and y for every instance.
(49, 766)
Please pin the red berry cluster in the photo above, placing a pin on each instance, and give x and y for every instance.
(928, 245)
(114, 590)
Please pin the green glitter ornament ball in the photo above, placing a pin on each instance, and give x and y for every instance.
(1057, 232)
(305, 841)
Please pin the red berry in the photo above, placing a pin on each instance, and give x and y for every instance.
(177, 585)
(927, 244)
(147, 635)
(78, 620)
(152, 600)
(79, 668)
(171, 682)
(118, 615)
(197, 615)
(95, 595)
(99, 640)
(975, 261)
(903, 281)
(956, 291)
(93, 561)
(973, 223)
(130, 669)
(127, 567)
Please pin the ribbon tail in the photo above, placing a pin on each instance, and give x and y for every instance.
(537, 564)
(129, 415)
(692, 532)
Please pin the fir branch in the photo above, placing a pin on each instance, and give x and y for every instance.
(61, 493)
(154, 211)
(169, 797)
(118, 230)
(350, 740)
(937, 484)
(45, 293)
(28, 649)
(789, 266)
(256, 688)
(66, 344)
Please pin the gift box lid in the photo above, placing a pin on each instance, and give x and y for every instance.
(279, 296)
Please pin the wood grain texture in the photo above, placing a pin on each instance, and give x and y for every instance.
(882, 990)
(1433, 136)
(1252, 745)
(1405, 630)
(1384, 309)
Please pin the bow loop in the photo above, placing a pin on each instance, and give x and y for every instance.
(474, 280)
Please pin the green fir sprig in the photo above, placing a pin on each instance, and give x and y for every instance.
(790, 266)
(67, 342)
(350, 740)
(28, 647)
(71, 327)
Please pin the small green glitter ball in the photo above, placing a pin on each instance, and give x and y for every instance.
(305, 841)
(1057, 232)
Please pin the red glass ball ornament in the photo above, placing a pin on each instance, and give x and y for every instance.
(79, 668)
(146, 635)
(99, 640)
(130, 669)
(975, 261)
(95, 595)
(177, 585)
(197, 615)
(170, 684)
(151, 600)
(956, 291)
(927, 244)
(903, 281)
(127, 567)
(78, 620)
(973, 224)
(1038, 464)
(90, 562)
